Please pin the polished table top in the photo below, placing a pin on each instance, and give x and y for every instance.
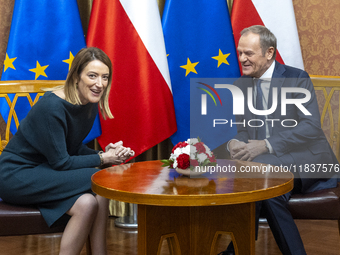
(149, 183)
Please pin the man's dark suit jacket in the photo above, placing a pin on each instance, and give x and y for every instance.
(306, 142)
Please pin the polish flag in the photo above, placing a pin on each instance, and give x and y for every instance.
(141, 102)
(278, 16)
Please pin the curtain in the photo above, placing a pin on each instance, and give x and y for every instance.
(6, 11)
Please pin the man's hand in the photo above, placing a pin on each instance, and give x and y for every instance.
(235, 147)
(251, 150)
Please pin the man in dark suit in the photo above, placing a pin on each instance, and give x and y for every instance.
(292, 139)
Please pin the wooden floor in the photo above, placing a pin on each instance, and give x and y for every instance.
(319, 237)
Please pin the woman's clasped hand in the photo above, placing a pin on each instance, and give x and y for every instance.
(116, 153)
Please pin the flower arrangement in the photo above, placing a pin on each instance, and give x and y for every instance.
(190, 154)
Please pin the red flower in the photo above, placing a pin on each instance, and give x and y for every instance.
(200, 147)
(183, 161)
(179, 145)
(194, 162)
(212, 158)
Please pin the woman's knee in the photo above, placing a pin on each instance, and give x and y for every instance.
(86, 203)
(102, 200)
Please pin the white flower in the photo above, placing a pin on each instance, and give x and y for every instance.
(207, 150)
(178, 152)
(186, 150)
(175, 164)
(193, 150)
(192, 141)
(172, 156)
(201, 157)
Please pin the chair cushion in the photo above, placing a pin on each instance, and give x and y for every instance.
(23, 220)
(321, 204)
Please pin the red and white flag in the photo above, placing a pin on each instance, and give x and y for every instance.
(140, 100)
(278, 16)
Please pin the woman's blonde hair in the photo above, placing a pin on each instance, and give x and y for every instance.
(80, 61)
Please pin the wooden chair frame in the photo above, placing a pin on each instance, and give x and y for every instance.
(24, 220)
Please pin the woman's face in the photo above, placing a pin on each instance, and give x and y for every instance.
(93, 81)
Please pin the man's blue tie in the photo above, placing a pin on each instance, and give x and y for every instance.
(260, 131)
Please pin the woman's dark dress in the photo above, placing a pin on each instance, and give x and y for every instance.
(45, 163)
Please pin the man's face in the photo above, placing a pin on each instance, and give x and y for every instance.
(254, 63)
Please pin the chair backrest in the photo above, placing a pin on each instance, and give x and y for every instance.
(328, 95)
(10, 92)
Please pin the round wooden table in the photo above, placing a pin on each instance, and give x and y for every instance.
(193, 213)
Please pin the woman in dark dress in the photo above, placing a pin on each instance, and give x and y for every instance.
(47, 165)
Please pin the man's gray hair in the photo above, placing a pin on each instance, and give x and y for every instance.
(267, 38)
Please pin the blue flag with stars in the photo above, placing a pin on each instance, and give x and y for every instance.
(200, 44)
(45, 36)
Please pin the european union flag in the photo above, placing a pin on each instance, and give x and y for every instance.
(45, 36)
(200, 44)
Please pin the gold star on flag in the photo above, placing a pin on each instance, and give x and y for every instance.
(9, 62)
(69, 61)
(189, 67)
(221, 58)
(39, 70)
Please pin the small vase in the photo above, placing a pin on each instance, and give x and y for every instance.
(189, 172)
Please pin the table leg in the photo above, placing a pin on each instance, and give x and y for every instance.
(195, 230)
